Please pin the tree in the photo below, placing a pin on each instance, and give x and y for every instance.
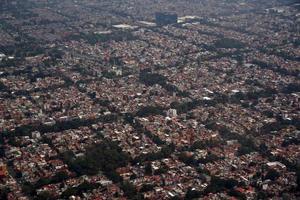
(60, 176)
(237, 194)
(185, 106)
(83, 187)
(244, 150)
(146, 188)
(45, 195)
(263, 148)
(192, 194)
(129, 189)
(262, 195)
(41, 182)
(2, 86)
(218, 184)
(69, 192)
(209, 158)
(150, 79)
(28, 188)
(4, 192)
(149, 110)
(291, 87)
(161, 170)
(2, 151)
(272, 175)
(114, 176)
(298, 178)
(228, 43)
(109, 74)
(106, 156)
(148, 169)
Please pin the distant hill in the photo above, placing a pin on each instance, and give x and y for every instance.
(288, 2)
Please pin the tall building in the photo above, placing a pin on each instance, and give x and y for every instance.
(172, 113)
(163, 19)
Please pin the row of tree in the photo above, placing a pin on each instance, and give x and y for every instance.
(94, 38)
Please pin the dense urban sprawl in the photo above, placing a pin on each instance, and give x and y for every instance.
(98, 101)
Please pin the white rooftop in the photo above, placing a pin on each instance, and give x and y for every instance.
(124, 26)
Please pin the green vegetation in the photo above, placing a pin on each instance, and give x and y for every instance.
(45, 195)
(150, 79)
(2, 87)
(218, 184)
(58, 126)
(192, 194)
(229, 43)
(129, 189)
(83, 187)
(296, 43)
(57, 178)
(272, 174)
(146, 188)
(185, 106)
(190, 105)
(276, 68)
(148, 169)
(279, 124)
(209, 158)
(237, 194)
(4, 192)
(298, 178)
(247, 144)
(109, 74)
(203, 144)
(93, 38)
(244, 150)
(23, 49)
(161, 170)
(28, 189)
(150, 110)
(106, 156)
(291, 88)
